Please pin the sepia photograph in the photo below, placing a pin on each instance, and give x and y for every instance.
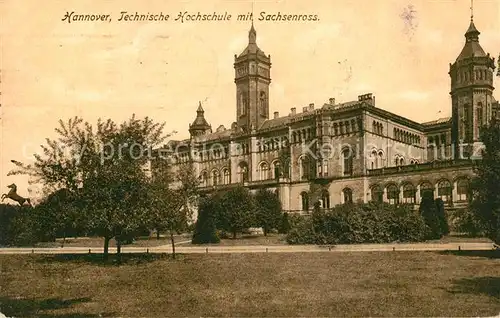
(251, 158)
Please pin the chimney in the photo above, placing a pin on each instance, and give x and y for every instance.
(332, 101)
(304, 109)
(367, 97)
(276, 115)
(293, 109)
(311, 106)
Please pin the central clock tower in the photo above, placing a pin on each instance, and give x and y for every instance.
(252, 77)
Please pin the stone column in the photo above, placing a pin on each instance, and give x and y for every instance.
(253, 159)
(284, 190)
(292, 171)
(233, 157)
(401, 194)
(417, 195)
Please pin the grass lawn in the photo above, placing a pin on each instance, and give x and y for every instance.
(99, 241)
(241, 240)
(267, 284)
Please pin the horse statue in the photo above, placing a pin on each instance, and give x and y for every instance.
(12, 194)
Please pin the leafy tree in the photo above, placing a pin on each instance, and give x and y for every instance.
(485, 195)
(284, 227)
(167, 205)
(188, 183)
(268, 210)
(429, 212)
(102, 168)
(205, 229)
(465, 221)
(236, 211)
(62, 207)
(442, 216)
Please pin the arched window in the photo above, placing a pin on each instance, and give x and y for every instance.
(325, 199)
(304, 167)
(336, 129)
(401, 161)
(227, 176)
(215, 177)
(243, 172)
(408, 193)
(276, 169)
(393, 194)
(263, 102)
(325, 167)
(204, 179)
(426, 187)
(347, 195)
(462, 190)
(347, 162)
(244, 102)
(380, 159)
(305, 201)
(263, 171)
(377, 194)
(444, 190)
(374, 159)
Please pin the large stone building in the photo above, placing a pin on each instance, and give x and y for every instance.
(338, 152)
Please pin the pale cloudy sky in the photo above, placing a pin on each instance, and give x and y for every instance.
(52, 69)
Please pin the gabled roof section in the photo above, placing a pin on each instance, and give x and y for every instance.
(444, 120)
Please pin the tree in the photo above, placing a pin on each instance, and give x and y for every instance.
(284, 227)
(62, 208)
(205, 230)
(268, 210)
(236, 210)
(188, 183)
(442, 216)
(428, 211)
(103, 169)
(168, 209)
(485, 202)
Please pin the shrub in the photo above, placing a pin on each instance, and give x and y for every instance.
(268, 210)
(429, 212)
(18, 226)
(302, 233)
(284, 226)
(442, 216)
(360, 223)
(465, 221)
(205, 230)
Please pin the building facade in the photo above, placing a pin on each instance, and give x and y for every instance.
(341, 152)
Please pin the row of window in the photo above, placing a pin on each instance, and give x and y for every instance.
(345, 127)
(303, 135)
(437, 140)
(275, 143)
(406, 137)
(465, 76)
(444, 189)
(377, 128)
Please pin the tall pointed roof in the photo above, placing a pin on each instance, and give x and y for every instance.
(252, 47)
(200, 122)
(471, 48)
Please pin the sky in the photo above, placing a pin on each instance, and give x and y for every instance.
(399, 50)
